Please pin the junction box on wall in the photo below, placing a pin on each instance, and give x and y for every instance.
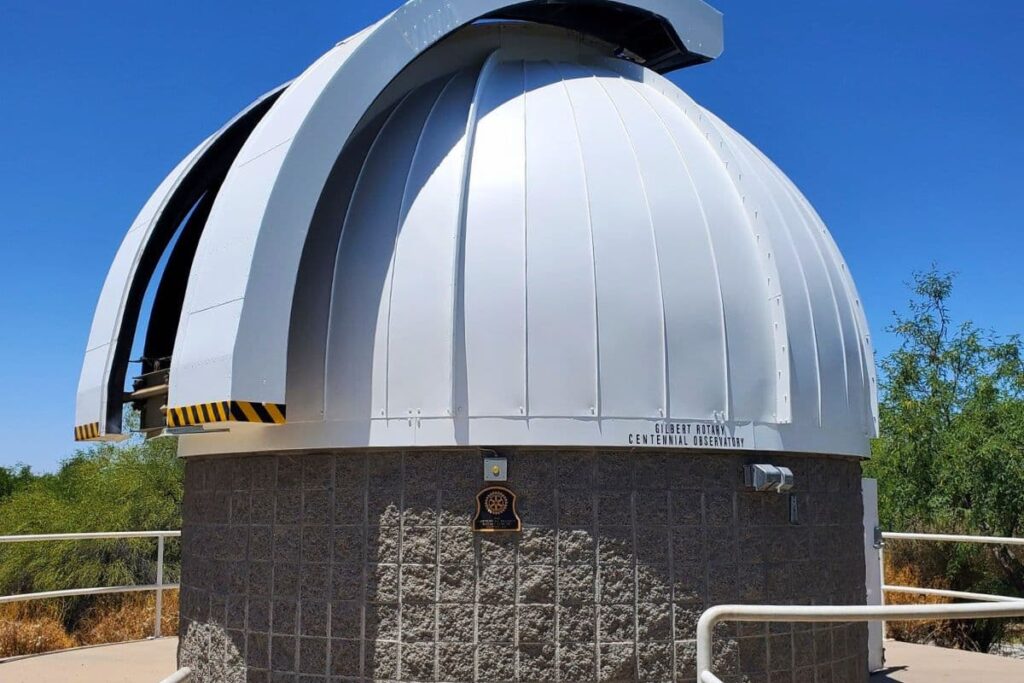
(768, 478)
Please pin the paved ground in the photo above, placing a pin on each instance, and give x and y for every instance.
(907, 663)
(149, 661)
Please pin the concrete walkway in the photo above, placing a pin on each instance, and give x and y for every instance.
(145, 661)
(150, 661)
(908, 663)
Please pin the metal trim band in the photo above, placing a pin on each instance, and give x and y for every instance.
(87, 432)
(226, 411)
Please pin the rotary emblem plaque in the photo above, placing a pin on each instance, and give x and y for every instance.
(496, 510)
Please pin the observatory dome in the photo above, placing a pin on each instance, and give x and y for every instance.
(545, 246)
(520, 239)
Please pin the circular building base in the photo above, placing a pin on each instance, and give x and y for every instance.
(361, 565)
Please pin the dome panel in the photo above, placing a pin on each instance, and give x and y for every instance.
(630, 320)
(685, 260)
(562, 337)
(493, 318)
(358, 324)
(741, 279)
(422, 282)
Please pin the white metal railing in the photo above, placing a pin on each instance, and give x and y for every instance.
(956, 538)
(159, 587)
(180, 676)
(829, 613)
(941, 592)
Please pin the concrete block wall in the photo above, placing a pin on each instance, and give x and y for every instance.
(360, 566)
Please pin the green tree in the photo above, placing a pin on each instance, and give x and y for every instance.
(14, 479)
(127, 487)
(950, 457)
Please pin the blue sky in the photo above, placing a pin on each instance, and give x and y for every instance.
(901, 121)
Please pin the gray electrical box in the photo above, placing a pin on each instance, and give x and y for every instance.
(495, 469)
(785, 480)
(768, 478)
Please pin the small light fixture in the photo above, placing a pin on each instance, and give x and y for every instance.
(768, 478)
(495, 467)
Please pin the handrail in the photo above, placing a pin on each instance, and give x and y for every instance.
(159, 587)
(180, 676)
(955, 538)
(944, 593)
(26, 538)
(829, 613)
(952, 538)
(74, 592)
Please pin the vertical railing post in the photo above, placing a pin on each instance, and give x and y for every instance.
(705, 632)
(881, 572)
(159, 584)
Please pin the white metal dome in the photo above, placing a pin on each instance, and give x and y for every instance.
(576, 252)
(532, 242)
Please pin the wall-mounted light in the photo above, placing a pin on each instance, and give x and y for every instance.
(495, 466)
(768, 478)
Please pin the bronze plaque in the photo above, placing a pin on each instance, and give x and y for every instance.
(496, 510)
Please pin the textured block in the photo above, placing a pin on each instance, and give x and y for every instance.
(496, 662)
(381, 583)
(456, 623)
(576, 545)
(457, 583)
(536, 663)
(576, 583)
(496, 623)
(381, 543)
(537, 583)
(418, 623)
(575, 508)
(346, 619)
(616, 584)
(418, 583)
(418, 662)
(419, 544)
(313, 656)
(497, 584)
(618, 663)
(455, 662)
(381, 622)
(616, 623)
(382, 659)
(313, 619)
(456, 545)
(654, 661)
(577, 662)
(537, 546)
(654, 621)
(536, 623)
(345, 657)
(577, 624)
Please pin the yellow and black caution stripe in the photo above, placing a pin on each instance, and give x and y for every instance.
(226, 411)
(87, 432)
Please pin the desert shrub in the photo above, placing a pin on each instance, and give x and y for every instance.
(31, 628)
(118, 618)
(925, 565)
(35, 627)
